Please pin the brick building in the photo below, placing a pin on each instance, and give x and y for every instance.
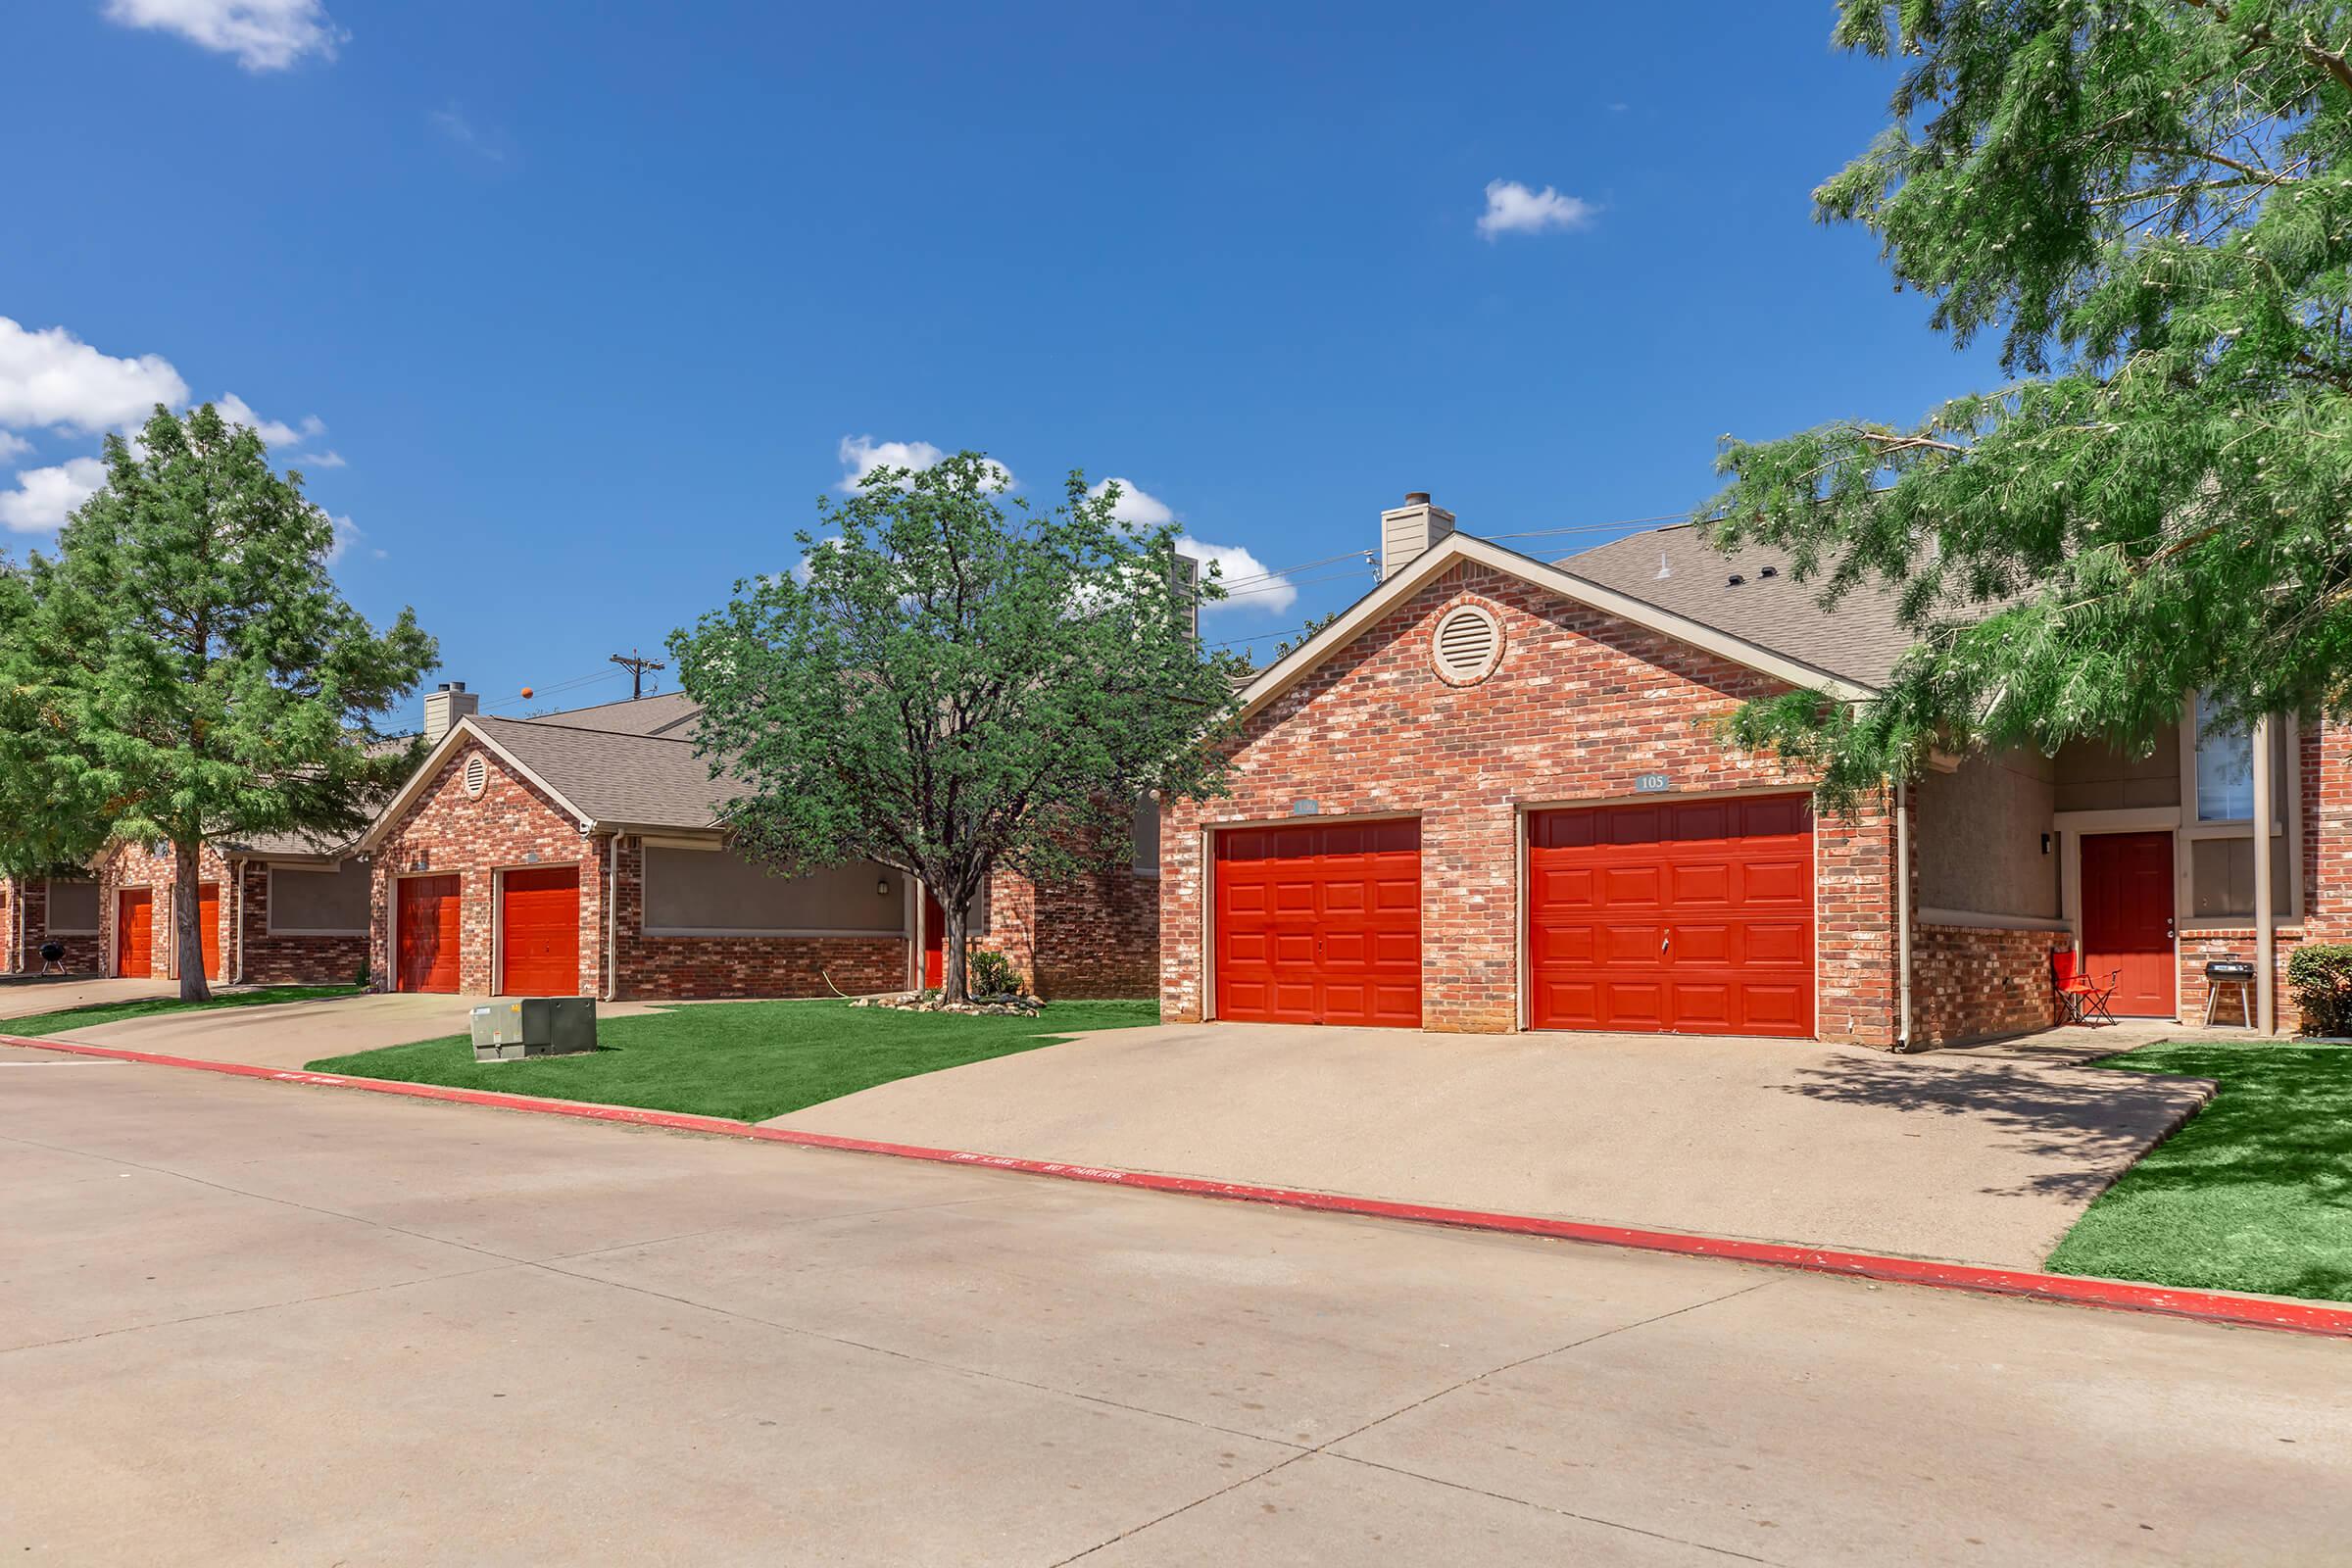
(35, 910)
(1493, 796)
(581, 853)
(275, 910)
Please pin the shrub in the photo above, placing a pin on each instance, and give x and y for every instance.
(989, 973)
(2319, 974)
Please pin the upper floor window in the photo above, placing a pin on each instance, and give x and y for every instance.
(2225, 770)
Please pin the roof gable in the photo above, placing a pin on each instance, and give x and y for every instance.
(1456, 549)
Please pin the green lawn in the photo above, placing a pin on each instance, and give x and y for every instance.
(2254, 1194)
(749, 1060)
(97, 1013)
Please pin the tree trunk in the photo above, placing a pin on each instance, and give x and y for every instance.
(953, 985)
(187, 920)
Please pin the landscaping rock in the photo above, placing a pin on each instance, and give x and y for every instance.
(1007, 1006)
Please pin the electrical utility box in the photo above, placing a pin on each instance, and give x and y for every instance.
(534, 1026)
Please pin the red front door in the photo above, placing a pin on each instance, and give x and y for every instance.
(1320, 924)
(428, 958)
(1673, 918)
(541, 936)
(935, 943)
(2128, 919)
(208, 927)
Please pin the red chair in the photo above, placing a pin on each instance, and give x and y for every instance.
(2081, 998)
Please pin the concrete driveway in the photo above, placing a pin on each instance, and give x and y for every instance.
(294, 1034)
(257, 1323)
(1983, 1157)
(23, 995)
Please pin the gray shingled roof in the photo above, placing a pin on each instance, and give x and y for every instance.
(288, 846)
(666, 713)
(612, 775)
(1860, 640)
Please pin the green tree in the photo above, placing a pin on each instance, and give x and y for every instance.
(954, 681)
(184, 669)
(2149, 202)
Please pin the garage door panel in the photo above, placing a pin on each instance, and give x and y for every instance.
(427, 916)
(1779, 942)
(1729, 881)
(1785, 882)
(1339, 938)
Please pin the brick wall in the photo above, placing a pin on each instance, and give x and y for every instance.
(263, 959)
(1094, 936)
(447, 832)
(25, 927)
(1581, 706)
(132, 866)
(1978, 982)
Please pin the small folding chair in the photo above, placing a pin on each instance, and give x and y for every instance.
(2081, 998)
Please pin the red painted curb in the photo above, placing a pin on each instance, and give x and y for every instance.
(2207, 1306)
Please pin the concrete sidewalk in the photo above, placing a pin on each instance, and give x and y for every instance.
(1986, 1158)
(22, 997)
(295, 1034)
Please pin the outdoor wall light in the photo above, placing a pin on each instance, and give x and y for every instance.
(2046, 844)
(882, 886)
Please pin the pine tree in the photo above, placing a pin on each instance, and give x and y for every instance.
(183, 667)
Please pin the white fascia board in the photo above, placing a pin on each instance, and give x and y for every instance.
(1456, 549)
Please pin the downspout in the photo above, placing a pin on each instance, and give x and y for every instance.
(236, 915)
(612, 986)
(1902, 916)
(2265, 940)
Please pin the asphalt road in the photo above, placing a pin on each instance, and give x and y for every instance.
(254, 1323)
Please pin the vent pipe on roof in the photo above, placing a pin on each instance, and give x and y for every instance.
(444, 706)
(1411, 531)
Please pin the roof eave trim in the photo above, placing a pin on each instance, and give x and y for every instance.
(400, 804)
(1288, 672)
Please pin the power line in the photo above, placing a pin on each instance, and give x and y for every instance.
(636, 665)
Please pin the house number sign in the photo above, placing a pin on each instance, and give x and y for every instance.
(1649, 783)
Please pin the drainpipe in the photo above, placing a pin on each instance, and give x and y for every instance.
(612, 986)
(2265, 942)
(237, 916)
(1903, 915)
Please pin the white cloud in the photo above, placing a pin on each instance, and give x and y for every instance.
(862, 455)
(51, 378)
(348, 535)
(44, 496)
(263, 34)
(457, 128)
(1245, 577)
(275, 432)
(1513, 209)
(1136, 506)
(13, 446)
(314, 462)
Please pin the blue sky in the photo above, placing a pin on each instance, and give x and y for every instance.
(572, 311)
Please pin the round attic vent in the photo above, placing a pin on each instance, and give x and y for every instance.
(1467, 644)
(477, 776)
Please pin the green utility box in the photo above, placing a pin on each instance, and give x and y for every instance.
(534, 1026)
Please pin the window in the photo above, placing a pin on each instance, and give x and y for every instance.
(1146, 836)
(715, 892)
(72, 909)
(319, 901)
(2225, 770)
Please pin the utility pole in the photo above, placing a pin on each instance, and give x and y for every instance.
(637, 667)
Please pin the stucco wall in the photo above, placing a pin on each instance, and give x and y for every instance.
(2092, 777)
(1579, 708)
(1981, 835)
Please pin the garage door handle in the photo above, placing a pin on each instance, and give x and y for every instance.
(1663, 941)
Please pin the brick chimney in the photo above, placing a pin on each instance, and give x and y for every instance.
(444, 706)
(1411, 531)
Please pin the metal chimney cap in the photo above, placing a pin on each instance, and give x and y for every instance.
(1416, 498)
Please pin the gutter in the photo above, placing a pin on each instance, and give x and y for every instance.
(1902, 916)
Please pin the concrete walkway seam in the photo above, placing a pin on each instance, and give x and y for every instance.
(2279, 1313)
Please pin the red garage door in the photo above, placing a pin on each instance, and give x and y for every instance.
(539, 933)
(428, 933)
(1320, 924)
(208, 927)
(1682, 916)
(135, 933)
